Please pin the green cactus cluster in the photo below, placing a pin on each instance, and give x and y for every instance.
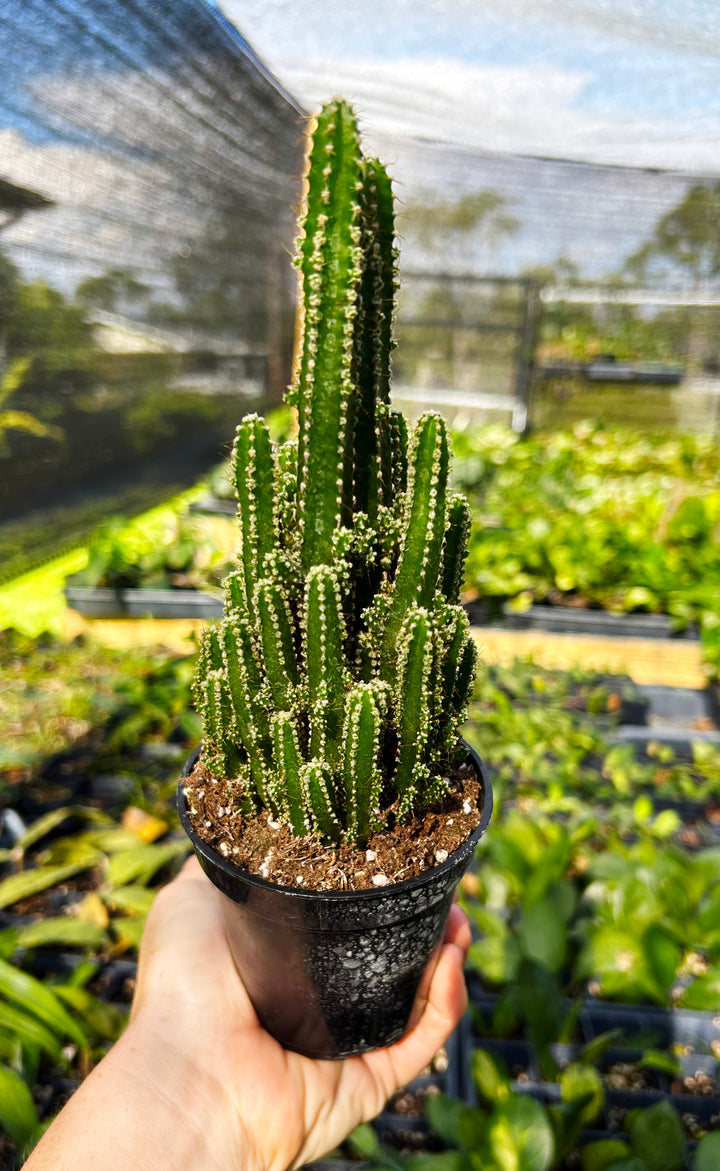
(334, 688)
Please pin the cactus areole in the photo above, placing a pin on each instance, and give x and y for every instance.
(334, 688)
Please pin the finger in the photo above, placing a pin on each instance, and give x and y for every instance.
(447, 1001)
(457, 929)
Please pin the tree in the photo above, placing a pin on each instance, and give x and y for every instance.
(44, 323)
(451, 228)
(115, 291)
(685, 240)
(20, 420)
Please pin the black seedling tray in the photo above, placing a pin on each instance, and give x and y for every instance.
(214, 506)
(677, 707)
(97, 602)
(571, 620)
(641, 1026)
(678, 739)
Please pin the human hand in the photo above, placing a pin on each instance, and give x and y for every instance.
(281, 1109)
(212, 1087)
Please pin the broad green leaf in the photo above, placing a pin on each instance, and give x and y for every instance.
(662, 954)
(593, 1051)
(666, 824)
(18, 1115)
(112, 841)
(137, 899)
(631, 1164)
(456, 1123)
(71, 850)
(603, 1154)
(8, 942)
(128, 932)
(580, 1082)
(364, 1141)
(50, 821)
(520, 1135)
(542, 933)
(28, 1030)
(707, 1153)
(61, 931)
(142, 862)
(656, 1136)
(31, 882)
(490, 1075)
(496, 957)
(39, 999)
(660, 1060)
(704, 993)
(104, 1020)
(566, 1121)
(441, 1161)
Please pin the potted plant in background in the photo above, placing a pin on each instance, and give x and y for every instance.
(332, 802)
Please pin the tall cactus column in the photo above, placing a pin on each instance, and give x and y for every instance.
(333, 691)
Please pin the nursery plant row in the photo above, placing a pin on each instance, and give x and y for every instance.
(592, 530)
(579, 848)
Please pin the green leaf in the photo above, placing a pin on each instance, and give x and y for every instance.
(660, 1060)
(128, 931)
(704, 993)
(707, 1153)
(18, 1115)
(629, 1165)
(31, 882)
(496, 957)
(28, 1030)
(104, 1020)
(442, 1161)
(456, 1123)
(662, 954)
(542, 934)
(490, 1075)
(58, 932)
(363, 1141)
(603, 1154)
(593, 1051)
(521, 1136)
(142, 862)
(39, 999)
(137, 899)
(656, 1136)
(580, 1082)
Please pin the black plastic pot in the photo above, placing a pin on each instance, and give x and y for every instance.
(337, 973)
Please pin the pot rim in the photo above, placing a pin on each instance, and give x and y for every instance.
(406, 884)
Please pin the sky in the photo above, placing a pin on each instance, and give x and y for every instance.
(628, 82)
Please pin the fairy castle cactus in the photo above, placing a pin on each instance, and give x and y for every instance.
(334, 688)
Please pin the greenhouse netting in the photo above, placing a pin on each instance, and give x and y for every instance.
(559, 212)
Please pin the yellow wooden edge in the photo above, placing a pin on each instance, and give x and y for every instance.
(674, 663)
(176, 634)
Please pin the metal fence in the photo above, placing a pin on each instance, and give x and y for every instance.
(466, 345)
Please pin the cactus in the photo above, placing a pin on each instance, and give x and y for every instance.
(333, 691)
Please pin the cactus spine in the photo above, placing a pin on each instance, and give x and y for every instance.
(334, 688)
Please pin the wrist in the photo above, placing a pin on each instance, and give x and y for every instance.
(188, 1102)
(147, 1104)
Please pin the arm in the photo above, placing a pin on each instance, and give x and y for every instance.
(196, 1084)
